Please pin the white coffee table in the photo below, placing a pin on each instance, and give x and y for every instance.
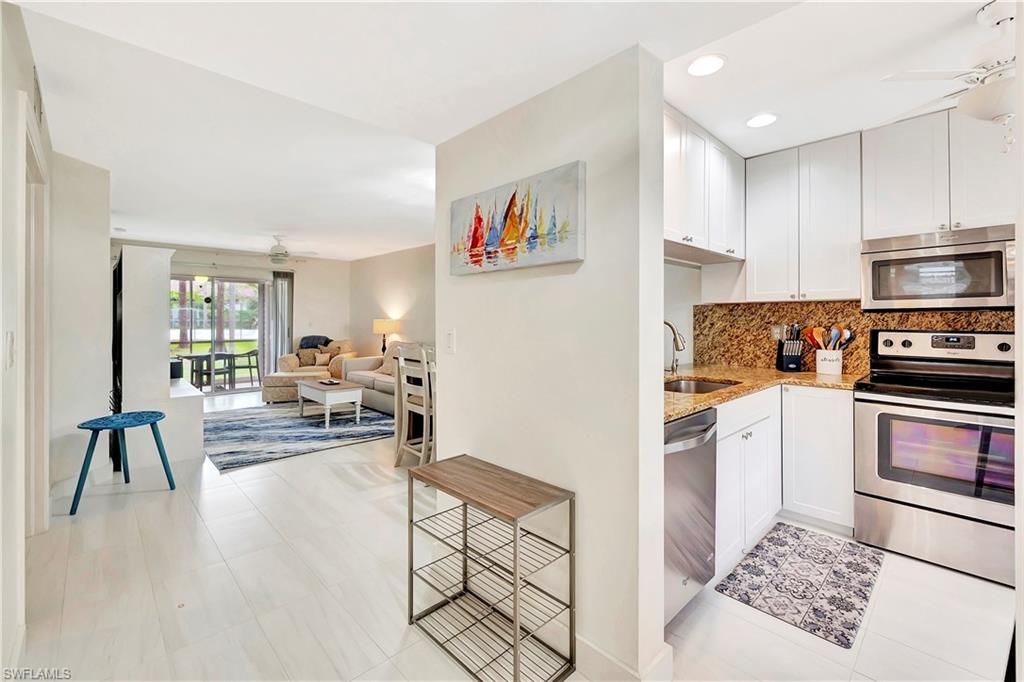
(340, 393)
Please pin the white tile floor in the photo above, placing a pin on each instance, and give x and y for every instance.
(289, 570)
(922, 623)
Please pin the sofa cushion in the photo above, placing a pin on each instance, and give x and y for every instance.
(384, 384)
(323, 359)
(307, 356)
(286, 379)
(363, 377)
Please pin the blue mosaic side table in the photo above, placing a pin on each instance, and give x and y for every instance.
(118, 423)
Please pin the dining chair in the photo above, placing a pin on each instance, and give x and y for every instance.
(414, 386)
(249, 362)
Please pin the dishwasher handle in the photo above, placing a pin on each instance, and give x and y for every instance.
(691, 443)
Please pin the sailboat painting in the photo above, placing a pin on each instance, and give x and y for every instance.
(538, 220)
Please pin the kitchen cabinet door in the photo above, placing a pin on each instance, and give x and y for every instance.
(982, 175)
(673, 181)
(726, 198)
(772, 228)
(906, 177)
(728, 503)
(830, 219)
(817, 453)
(718, 196)
(696, 149)
(735, 204)
(762, 471)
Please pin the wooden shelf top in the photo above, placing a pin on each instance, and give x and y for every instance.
(494, 489)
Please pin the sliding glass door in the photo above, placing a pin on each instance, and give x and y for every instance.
(215, 330)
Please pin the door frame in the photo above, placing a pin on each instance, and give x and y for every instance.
(33, 210)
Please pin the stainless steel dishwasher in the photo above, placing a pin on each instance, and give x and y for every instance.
(690, 451)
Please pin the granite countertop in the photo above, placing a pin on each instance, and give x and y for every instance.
(748, 380)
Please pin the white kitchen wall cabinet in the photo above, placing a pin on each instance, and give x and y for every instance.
(982, 175)
(772, 268)
(748, 474)
(704, 194)
(817, 453)
(830, 219)
(906, 188)
(673, 178)
(696, 154)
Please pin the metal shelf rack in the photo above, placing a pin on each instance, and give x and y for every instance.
(490, 613)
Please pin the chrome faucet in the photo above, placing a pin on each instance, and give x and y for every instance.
(677, 345)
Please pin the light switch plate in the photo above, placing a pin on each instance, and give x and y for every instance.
(9, 350)
(449, 342)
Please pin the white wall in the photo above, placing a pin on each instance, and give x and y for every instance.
(80, 308)
(321, 299)
(558, 369)
(682, 292)
(17, 76)
(145, 378)
(399, 286)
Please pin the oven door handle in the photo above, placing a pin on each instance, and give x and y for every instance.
(994, 411)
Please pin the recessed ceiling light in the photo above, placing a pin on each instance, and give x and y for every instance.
(706, 65)
(761, 120)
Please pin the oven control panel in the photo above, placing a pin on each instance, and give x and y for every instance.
(938, 345)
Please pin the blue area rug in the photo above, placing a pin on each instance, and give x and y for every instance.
(238, 438)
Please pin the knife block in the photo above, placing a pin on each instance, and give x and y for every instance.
(788, 356)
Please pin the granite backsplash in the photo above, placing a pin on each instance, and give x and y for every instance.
(738, 334)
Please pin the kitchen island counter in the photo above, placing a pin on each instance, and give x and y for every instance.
(746, 379)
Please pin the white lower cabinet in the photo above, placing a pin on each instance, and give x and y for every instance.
(817, 453)
(749, 474)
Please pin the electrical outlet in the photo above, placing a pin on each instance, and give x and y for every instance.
(449, 342)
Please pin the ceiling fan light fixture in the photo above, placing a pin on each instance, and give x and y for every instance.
(706, 65)
(761, 120)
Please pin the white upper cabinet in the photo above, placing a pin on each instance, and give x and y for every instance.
(772, 269)
(906, 177)
(673, 179)
(735, 214)
(704, 193)
(726, 200)
(983, 178)
(696, 152)
(830, 219)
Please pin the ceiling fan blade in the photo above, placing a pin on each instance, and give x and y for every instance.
(936, 104)
(306, 254)
(932, 74)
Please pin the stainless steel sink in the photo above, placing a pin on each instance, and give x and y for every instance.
(680, 386)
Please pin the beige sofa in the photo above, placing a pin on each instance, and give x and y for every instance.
(378, 386)
(280, 386)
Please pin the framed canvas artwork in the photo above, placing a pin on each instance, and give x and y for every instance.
(538, 220)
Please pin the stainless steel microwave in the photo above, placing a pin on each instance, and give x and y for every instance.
(970, 268)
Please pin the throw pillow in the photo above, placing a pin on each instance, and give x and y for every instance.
(323, 359)
(389, 359)
(330, 350)
(307, 357)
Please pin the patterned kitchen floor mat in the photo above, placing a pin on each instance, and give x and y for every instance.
(816, 582)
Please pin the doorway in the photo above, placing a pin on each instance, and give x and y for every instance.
(215, 331)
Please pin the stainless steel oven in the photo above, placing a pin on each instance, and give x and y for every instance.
(972, 268)
(933, 439)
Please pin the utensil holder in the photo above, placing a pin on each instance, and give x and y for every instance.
(828, 361)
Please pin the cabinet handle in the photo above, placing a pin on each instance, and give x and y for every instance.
(730, 250)
(792, 295)
(956, 224)
(943, 226)
(803, 295)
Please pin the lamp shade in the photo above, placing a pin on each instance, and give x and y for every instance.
(386, 326)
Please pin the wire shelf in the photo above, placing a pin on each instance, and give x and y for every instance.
(491, 539)
(537, 607)
(484, 646)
